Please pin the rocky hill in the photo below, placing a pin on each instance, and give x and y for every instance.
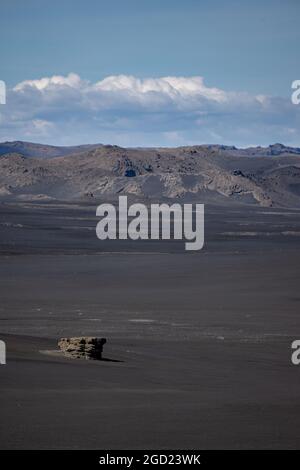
(208, 173)
(29, 149)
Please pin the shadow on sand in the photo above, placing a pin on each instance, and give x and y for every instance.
(107, 359)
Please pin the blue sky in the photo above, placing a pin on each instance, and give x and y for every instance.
(248, 47)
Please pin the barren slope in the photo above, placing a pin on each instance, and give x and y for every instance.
(268, 177)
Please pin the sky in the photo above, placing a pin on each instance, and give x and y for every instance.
(149, 73)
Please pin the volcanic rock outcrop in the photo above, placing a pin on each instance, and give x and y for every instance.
(82, 347)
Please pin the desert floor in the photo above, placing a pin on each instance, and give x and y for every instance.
(198, 351)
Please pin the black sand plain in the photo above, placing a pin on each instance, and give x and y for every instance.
(198, 351)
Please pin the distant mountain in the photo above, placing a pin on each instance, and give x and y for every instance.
(267, 176)
(273, 150)
(29, 149)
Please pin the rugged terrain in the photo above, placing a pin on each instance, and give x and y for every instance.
(199, 343)
(267, 176)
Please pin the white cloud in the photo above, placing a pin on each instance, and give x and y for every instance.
(72, 80)
(127, 110)
(174, 88)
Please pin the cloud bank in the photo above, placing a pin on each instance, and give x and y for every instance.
(126, 110)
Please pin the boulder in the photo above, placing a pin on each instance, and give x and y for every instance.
(82, 347)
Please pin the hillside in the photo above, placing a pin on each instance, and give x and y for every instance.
(209, 173)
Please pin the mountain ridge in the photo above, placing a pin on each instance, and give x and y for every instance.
(209, 173)
(34, 149)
